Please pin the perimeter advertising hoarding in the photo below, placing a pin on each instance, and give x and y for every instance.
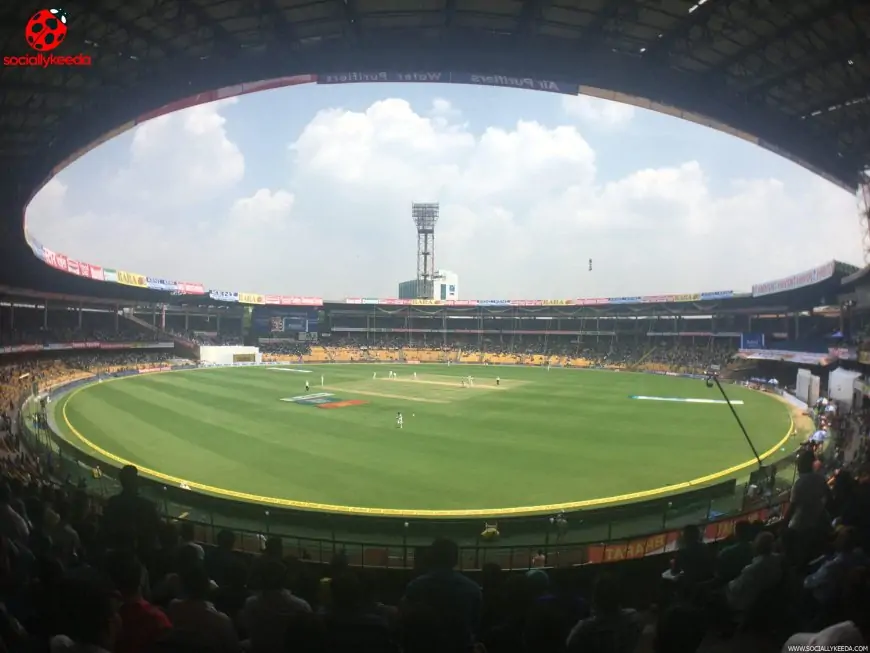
(432, 77)
(795, 281)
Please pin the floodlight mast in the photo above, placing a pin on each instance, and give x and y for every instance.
(425, 216)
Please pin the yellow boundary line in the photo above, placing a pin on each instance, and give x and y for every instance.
(395, 512)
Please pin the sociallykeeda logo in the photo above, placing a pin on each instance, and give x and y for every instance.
(45, 60)
(44, 32)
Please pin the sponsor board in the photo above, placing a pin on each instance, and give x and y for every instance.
(735, 402)
(288, 369)
(312, 399)
(343, 404)
(153, 370)
(323, 400)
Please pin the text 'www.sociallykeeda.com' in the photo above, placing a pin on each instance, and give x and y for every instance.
(822, 647)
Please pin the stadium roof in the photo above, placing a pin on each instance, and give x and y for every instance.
(792, 75)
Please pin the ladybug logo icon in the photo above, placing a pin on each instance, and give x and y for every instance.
(46, 29)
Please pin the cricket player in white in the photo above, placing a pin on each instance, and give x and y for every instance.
(392, 374)
(321, 381)
(471, 381)
(307, 387)
(415, 376)
(498, 380)
(374, 375)
(399, 420)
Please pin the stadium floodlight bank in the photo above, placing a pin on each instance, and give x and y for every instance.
(425, 216)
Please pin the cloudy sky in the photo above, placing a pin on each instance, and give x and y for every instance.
(307, 191)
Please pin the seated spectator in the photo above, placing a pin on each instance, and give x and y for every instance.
(693, 562)
(188, 539)
(735, 556)
(268, 613)
(142, 623)
(89, 619)
(222, 557)
(680, 629)
(762, 574)
(196, 620)
(12, 525)
(450, 596)
(352, 621)
(611, 628)
(273, 551)
(827, 583)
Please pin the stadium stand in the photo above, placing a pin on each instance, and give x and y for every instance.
(203, 591)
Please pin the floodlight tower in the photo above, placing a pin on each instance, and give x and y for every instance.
(425, 216)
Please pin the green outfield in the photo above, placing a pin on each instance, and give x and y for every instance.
(540, 438)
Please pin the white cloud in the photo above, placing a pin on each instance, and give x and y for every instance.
(602, 113)
(181, 158)
(522, 210)
(264, 208)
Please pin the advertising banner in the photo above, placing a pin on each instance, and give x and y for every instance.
(717, 294)
(160, 284)
(751, 341)
(353, 300)
(666, 542)
(493, 302)
(688, 297)
(795, 281)
(152, 370)
(463, 302)
(595, 301)
(223, 295)
(427, 302)
(85, 269)
(434, 77)
(251, 298)
(61, 261)
(623, 300)
(273, 300)
(844, 353)
(657, 299)
(20, 349)
(132, 279)
(72, 267)
(97, 273)
(49, 257)
(799, 357)
(110, 275)
(187, 288)
(301, 301)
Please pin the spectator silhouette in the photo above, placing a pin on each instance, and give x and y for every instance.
(142, 623)
(452, 598)
(268, 613)
(129, 517)
(611, 628)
